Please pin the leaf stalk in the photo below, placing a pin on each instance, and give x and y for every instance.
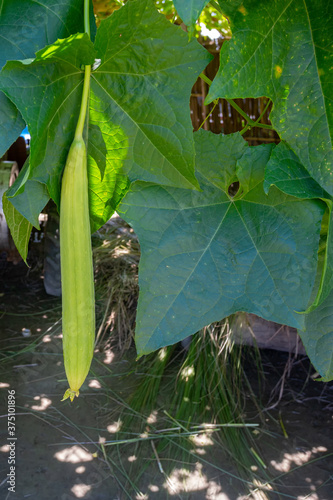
(86, 81)
(250, 123)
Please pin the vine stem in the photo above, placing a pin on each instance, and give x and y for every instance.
(86, 17)
(211, 111)
(256, 123)
(250, 123)
(86, 81)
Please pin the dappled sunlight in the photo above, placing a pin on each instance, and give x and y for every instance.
(152, 419)
(94, 384)
(153, 488)
(299, 458)
(96, 443)
(162, 353)
(47, 338)
(80, 490)
(44, 403)
(141, 496)
(187, 373)
(115, 427)
(121, 251)
(108, 356)
(201, 440)
(80, 470)
(74, 455)
(182, 480)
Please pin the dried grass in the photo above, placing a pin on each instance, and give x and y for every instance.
(116, 257)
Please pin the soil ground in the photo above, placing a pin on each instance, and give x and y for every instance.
(59, 451)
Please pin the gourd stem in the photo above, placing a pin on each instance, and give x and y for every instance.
(86, 82)
(84, 103)
(86, 17)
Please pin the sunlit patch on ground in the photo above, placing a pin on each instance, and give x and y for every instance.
(81, 490)
(95, 384)
(115, 427)
(181, 480)
(43, 403)
(75, 454)
(108, 357)
(80, 470)
(299, 458)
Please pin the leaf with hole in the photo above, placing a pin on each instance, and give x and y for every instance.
(206, 255)
(281, 49)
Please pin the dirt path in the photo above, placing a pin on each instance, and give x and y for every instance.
(58, 455)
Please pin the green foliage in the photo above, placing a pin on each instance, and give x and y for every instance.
(187, 12)
(136, 114)
(190, 11)
(207, 250)
(20, 227)
(28, 196)
(21, 36)
(318, 337)
(206, 255)
(286, 172)
(289, 42)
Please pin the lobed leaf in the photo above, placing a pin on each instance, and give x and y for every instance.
(285, 171)
(206, 255)
(282, 49)
(190, 11)
(27, 196)
(141, 90)
(47, 91)
(317, 337)
(11, 123)
(138, 128)
(21, 37)
(20, 228)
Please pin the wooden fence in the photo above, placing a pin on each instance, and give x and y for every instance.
(225, 119)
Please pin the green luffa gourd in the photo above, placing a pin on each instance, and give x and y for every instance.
(78, 302)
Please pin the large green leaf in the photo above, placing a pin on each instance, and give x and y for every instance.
(26, 28)
(138, 128)
(20, 228)
(282, 49)
(189, 11)
(317, 334)
(285, 171)
(11, 123)
(317, 337)
(47, 91)
(27, 196)
(141, 91)
(206, 255)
